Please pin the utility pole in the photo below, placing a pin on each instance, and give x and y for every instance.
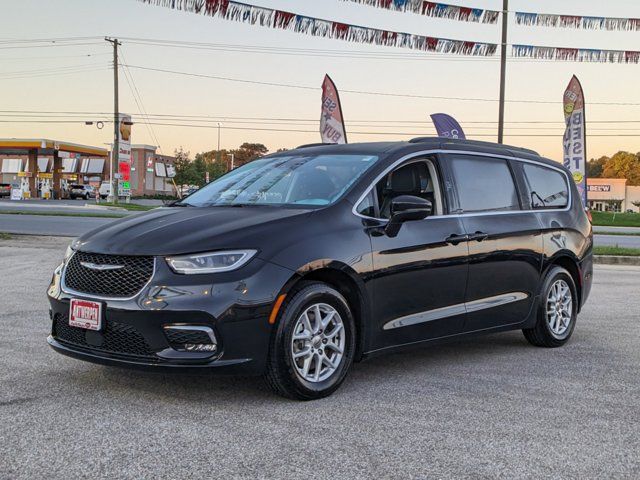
(503, 68)
(115, 151)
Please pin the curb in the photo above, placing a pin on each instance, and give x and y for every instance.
(101, 207)
(616, 260)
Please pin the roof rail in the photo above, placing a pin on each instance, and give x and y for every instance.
(306, 145)
(423, 139)
(474, 142)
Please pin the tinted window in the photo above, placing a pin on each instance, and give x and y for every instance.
(548, 187)
(484, 184)
(311, 180)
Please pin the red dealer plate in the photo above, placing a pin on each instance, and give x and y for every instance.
(85, 314)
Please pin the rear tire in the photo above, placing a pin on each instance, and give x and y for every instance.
(313, 345)
(556, 311)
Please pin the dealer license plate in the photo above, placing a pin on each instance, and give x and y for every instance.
(85, 314)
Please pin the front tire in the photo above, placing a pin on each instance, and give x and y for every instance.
(313, 346)
(557, 311)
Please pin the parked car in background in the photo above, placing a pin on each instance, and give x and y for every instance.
(105, 190)
(81, 191)
(5, 189)
(297, 264)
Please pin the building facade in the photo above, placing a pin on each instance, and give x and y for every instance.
(150, 172)
(612, 195)
(45, 168)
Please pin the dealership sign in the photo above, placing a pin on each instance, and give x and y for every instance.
(124, 152)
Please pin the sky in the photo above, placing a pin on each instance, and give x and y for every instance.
(79, 78)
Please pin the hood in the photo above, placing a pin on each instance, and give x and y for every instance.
(179, 230)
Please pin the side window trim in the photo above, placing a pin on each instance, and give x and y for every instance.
(450, 206)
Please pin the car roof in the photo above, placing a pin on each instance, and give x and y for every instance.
(419, 143)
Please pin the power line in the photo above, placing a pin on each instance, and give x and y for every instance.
(54, 74)
(54, 69)
(362, 92)
(304, 123)
(215, 118)
(299, 130)
(307, 52)
(140, 104)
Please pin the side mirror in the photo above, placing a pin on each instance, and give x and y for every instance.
(406, 208)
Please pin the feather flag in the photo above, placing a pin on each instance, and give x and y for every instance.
(574, 140)
(332, 129)
(447, 126)
(317, 27)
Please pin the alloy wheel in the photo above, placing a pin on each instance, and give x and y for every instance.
(559, 308)
(318, 342)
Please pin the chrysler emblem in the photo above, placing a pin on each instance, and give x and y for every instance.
(101, 268)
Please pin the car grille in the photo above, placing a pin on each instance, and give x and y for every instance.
(122, 282)
(118, 338)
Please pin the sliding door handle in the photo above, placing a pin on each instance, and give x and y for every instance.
(455, 239)
(479, 236)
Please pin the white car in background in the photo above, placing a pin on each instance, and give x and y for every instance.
(105, 190)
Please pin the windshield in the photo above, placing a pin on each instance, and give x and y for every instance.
(311, 180)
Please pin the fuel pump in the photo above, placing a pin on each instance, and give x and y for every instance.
(45, 191)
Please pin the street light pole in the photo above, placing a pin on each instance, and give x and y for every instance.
(503, 69)
(218, 154)
(115, 151)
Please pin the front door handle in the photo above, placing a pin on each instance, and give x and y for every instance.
(479, 236)
(455, 239)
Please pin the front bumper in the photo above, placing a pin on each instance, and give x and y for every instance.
(233, 305)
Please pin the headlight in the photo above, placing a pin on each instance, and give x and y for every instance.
(213, 262)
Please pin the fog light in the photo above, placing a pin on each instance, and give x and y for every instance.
(200, 347)
(191, 338)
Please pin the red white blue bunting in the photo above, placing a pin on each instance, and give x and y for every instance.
(266, 17)
(577, 21)
(436, 10)
(576, 54)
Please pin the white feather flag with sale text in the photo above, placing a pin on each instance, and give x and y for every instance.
(331, 120)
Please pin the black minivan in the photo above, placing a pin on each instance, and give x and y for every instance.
(296, 265)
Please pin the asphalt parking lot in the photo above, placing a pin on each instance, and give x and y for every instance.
(488, 407)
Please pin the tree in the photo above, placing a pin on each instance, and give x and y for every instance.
(208, 162)
(185, 172)
(623, 165)
(595, 166)
(248, 152)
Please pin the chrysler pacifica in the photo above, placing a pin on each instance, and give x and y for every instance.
(298, 264)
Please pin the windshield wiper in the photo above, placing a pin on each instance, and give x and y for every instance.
(180, 204)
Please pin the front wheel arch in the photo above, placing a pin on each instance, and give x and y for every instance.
(350, 286)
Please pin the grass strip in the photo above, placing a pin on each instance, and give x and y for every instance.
(133, 207)
(62, 214)
(620, 251)
(609, 219)
(628, 234)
